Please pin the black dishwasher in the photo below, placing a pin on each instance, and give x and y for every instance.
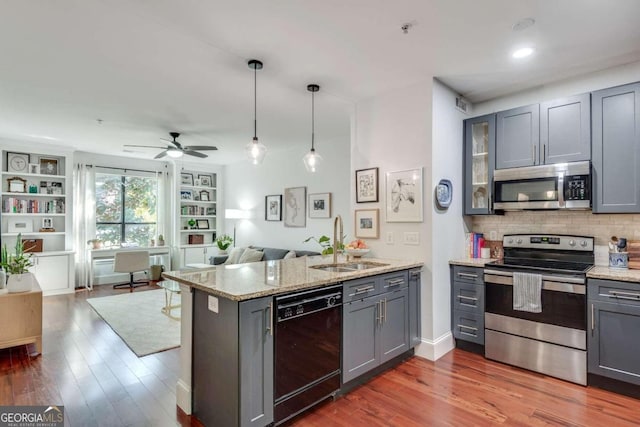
(307, 349)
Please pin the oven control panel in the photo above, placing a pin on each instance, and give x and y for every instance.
(556, 242)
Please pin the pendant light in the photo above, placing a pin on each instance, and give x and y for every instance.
(255, 150)
(312, 159)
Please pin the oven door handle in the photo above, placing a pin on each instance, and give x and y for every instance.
(546, 278)
(547, 285)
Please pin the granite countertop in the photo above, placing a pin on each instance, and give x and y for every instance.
(471, 262)
(608, 273)
(239, 282)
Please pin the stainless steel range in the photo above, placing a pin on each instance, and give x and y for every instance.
(552, 341)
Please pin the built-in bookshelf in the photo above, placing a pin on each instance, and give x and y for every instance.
(198, 207)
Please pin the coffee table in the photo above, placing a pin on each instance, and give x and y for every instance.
(170, 287)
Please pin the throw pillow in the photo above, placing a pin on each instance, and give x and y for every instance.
(290, 254)
(234, 256)
(250, 255)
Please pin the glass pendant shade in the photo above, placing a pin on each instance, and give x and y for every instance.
(312, 160)
(256, 151)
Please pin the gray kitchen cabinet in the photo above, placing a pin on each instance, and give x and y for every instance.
(518, 137)
(233, 387)
(616, 149)
(613, 342)
(565, 130)
(467, 303)
(415, 334)
(479, 163)
(376, 328)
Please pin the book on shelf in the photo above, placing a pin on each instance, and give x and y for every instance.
(16, 205)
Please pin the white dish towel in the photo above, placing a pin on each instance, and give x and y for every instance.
(527, 292)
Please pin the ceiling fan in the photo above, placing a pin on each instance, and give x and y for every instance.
(177, 150)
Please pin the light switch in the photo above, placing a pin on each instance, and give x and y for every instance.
(411, 238)
(389, 237)
(213, 303)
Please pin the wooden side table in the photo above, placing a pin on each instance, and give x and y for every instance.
(21, 318)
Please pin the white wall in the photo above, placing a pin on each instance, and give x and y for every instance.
(246, 185)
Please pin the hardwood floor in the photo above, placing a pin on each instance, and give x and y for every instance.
(86, 367)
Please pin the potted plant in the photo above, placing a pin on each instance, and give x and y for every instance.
(95, 243)
(160, 240)
(16, 265)
(325, 242)
(223, 243)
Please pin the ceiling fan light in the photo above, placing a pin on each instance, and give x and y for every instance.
(176, 154)
(256, 151)
(312, 160)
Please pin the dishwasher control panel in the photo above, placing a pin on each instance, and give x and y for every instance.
(301, 303)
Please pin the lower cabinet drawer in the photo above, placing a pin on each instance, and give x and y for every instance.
(468, 326)
(468, 297)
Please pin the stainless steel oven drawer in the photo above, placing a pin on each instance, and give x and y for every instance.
(468, 297)
(468, 326)
(468, 274)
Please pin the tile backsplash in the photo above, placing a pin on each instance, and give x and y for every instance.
(581, 223)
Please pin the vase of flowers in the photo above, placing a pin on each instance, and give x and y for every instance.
(223, 242)
(16, 265)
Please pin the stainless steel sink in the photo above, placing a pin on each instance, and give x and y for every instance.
(348, 267)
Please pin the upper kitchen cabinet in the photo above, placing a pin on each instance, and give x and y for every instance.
(616, 149)
(479, 157)
(518, 137)
(565, 130)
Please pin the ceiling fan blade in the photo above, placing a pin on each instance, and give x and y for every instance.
(161, 155)
(176, 143)
(195, 154)
(201, 147)
(143, 146)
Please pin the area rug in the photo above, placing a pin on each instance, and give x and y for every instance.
(137, 319)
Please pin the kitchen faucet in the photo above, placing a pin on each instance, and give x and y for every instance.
(335, 238)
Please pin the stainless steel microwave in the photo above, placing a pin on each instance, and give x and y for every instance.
(559, 186)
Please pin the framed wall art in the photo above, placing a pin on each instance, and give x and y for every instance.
(186, 179)
(367, 223)
(205, 180)
(404, 199)
(186, 194)
(367, 185)
(295, 207)
(202, 224)
(48, 166)
(34, 168)
(17, 162)
(320, 205)
(273, 207)
(204, 196)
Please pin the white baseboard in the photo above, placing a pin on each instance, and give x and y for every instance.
(183, 397)
(434, 350)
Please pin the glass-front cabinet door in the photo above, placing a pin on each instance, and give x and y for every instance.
(479, 163)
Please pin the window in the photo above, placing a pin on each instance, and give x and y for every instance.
(126, 209)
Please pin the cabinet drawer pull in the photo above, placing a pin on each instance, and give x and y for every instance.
(364, 289)
(469, 298)
(467, 333)
(624, 295)
(385, 309)
(271, 318)
(395, 282)
(379, 312)
(469, 275)
(415, 274)
(467, 327)
(593, 319)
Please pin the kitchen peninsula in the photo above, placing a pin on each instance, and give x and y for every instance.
(364, 316)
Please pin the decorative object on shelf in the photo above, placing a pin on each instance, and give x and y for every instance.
(17, 185)
(56, 188)
(205, 180)
(295, 200)
(191, 223)
(47, 223)
(160, 240)
(186, 178)
(273, 207)
(204, 196)
(320, 205)
(17, 266)
(186, 194)
(19, 225)
(404, 198)
(34, 168)
(444, 193)
(367, 223)
(48, 166)
(32, 245)
(95, 243)
(255, 150)
(196, 239)
(33, 189)
(367, 185)
(223, 242)
(152, 243)
(211, 210)
(312, 159)
(17, 162)
(203, 224)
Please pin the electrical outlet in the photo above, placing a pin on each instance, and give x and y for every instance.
(411, 238)
(212, 303)
(493, 235)
(389, 237)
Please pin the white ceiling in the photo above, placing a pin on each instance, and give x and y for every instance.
(148, 67)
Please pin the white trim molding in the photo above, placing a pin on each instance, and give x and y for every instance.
(434, 350)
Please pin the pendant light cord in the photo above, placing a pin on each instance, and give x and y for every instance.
(313, 115)
(255, 103)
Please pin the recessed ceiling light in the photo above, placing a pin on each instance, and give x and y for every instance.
(522, 53)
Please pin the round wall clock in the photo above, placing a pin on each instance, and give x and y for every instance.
(444, 193)
(17, 162)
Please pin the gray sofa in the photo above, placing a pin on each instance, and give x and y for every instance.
(270, 254)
